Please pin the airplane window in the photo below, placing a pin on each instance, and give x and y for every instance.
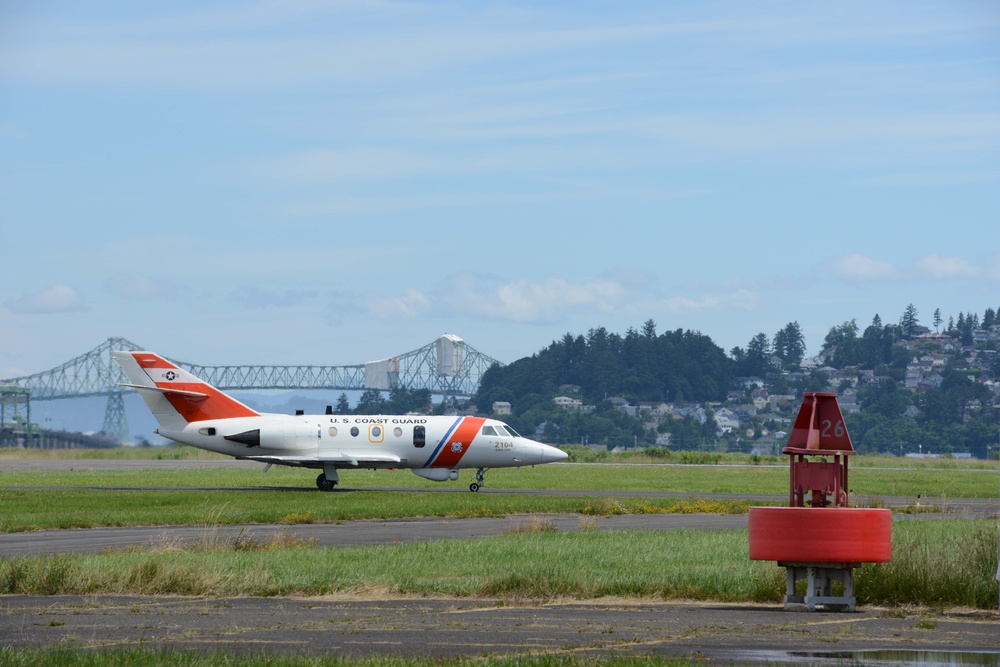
(512, 432)
(376, 432)
(397, 432)
(333, 431)
(419, 436)
(489, 430)
(355, 431)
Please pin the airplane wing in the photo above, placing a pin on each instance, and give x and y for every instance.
(341, 460)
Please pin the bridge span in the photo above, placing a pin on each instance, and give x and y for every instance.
(447, 366)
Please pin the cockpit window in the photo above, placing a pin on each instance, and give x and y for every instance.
(509, 430)
(489, 430)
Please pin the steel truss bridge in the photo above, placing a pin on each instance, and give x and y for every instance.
(446, 367)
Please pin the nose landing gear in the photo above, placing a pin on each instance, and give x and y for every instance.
(479, 483)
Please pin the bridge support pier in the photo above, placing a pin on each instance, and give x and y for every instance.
(115, 420)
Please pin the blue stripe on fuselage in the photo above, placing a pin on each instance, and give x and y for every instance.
(437, 450)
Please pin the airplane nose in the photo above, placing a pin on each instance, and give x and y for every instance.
(552, 454)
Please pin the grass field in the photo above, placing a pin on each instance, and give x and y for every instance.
(949, 479)
(936, 564)
(82, 497)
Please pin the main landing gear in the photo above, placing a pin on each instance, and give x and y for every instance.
(323, 483)
(479, 483)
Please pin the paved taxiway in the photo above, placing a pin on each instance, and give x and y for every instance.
(350, 627)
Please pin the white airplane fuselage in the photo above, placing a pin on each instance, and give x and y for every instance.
(194, 413)
(405, 441)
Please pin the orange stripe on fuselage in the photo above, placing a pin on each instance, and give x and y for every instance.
(451, 453)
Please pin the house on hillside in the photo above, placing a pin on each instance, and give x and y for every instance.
(501, 407)
(725, 421)
(567, 403)
(623, 406)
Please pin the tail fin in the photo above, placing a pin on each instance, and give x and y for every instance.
(174, 396)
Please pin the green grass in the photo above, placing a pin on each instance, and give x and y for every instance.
(935, 563)
(29, 509)
(541, 565)
(746, 480)
(119, 498)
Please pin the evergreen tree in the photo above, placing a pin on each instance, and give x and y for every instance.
(989, 318)
(370, 403)
(908, 321)
(965, 330)
(790, 345)
(937, 319)
(758, 351)
(343, 406)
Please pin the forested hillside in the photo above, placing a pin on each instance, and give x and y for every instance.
(904, 387)
(673, 366)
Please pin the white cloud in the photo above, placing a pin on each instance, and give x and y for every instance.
(411, 304)
(137, 287)
(859, 268)
(741, 299)
(547, 302)
(55, 299)
(941, 267)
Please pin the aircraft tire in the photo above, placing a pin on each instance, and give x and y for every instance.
(473, 487)
(324, 484)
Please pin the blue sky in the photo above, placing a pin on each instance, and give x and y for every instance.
(337, 182)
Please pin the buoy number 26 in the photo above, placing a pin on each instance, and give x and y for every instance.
(832, 429)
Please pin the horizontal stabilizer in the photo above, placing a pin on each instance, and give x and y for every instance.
(191, 395)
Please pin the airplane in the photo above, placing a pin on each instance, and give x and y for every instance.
(195, 413)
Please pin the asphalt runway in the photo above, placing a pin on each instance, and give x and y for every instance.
(362, 626)
(472, 628)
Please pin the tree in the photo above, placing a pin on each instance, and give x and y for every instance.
(840, 333)
(753, 361)
(908, 321)
(885, 398)
(937, 319)
(343, 406)
(370, 402)
(966, 328)
(989, 318)
(790, 344)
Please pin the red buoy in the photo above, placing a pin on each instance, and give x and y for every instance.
(821, 535)
(818, 538)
